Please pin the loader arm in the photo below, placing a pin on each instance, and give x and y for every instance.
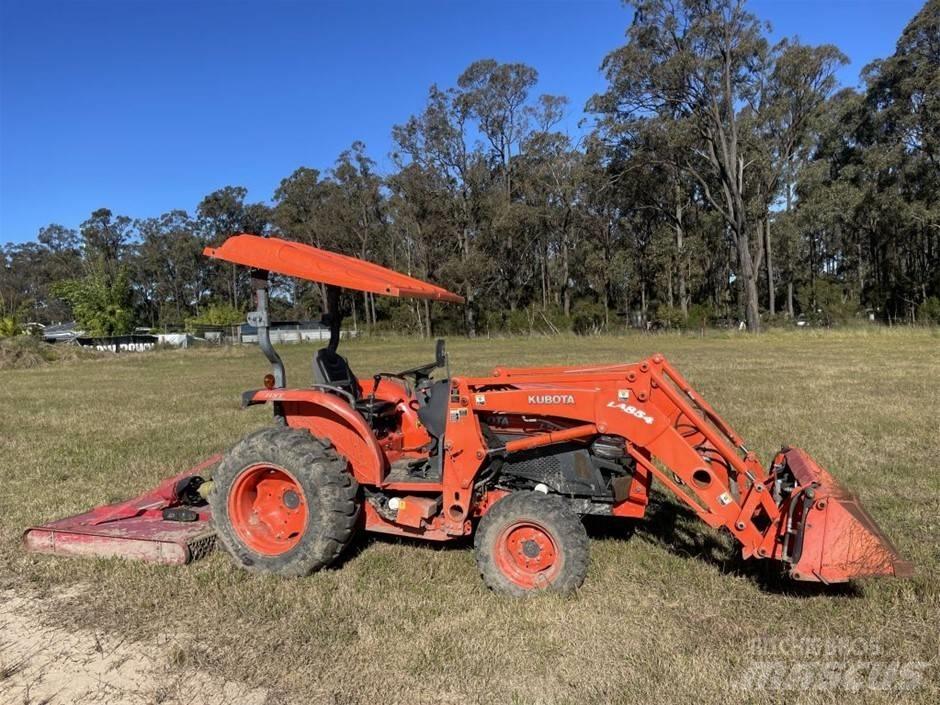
(794, 511)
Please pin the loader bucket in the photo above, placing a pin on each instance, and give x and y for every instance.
(833, 539)
(162, 525)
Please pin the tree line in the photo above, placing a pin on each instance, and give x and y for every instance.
(720, 177)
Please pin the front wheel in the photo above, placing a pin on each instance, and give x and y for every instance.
(529, 542)
(284, 502)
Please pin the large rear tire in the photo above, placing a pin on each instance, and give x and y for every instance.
(284, 502)
(530, 542)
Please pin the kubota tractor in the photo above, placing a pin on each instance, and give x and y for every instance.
(516, 458)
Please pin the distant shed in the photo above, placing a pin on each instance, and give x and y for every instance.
(61, 332)
(288, 332)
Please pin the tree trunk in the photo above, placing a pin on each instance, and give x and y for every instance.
(643, 304)
(670, 297)
(749, 281)
(469, 318)
(752, 310)
(176, 295)
(680, 258)
(771, 289)
(861, 271)
(683, 292)
(427, 317)
(468, 312)
(544, 272)
(565, 275)
(790, 313)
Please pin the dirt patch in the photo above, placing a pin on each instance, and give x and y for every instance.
(43, 663)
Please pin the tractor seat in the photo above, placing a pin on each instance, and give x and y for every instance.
(433, 409)
(432, 412)
(332, 370)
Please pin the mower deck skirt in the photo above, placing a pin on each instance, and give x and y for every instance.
(145, 538)
(135, 529)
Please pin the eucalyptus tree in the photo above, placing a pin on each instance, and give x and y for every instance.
(786, 111)
(551, 169)
(496, 96)
(300, 212)
(168, 268)
(902, 145)
(439, 140)
(222, 213)
(420, 215)
(705, 68)
(356, 212)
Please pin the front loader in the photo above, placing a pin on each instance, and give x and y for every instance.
(516, 458)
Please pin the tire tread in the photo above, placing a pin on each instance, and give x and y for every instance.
(328, 486)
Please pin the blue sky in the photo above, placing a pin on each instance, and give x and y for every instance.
(144, 106)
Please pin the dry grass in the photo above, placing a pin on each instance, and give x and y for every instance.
(668, 615)
(24, 352)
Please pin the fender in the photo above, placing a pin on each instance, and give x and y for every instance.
(329, 416)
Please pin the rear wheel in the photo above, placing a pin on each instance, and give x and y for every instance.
(284, 502)
(528, 542)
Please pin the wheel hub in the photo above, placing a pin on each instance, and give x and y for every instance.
(528, 555)
(291, 499)
(267, 509)
(531, 549)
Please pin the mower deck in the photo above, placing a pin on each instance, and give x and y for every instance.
(160, 526)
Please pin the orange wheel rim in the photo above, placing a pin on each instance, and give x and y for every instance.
(268, 509)
(528, 555)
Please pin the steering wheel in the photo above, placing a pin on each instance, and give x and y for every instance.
(421, 371)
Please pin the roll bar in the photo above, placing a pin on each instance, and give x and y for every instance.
(259, 319)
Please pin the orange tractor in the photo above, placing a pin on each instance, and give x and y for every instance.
(516, 458)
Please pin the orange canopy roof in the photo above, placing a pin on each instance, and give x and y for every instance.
(316, 265)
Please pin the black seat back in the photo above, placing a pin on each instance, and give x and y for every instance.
(433, 412)
(331, 368)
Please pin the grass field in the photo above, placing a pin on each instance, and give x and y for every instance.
(668, 615)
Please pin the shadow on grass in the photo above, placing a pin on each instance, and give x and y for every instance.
(677, 529)
(668, 524)
(363, 540)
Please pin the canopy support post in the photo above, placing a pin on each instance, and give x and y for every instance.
(334, 316)
(260, 320)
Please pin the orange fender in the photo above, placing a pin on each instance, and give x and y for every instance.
(330, 417)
